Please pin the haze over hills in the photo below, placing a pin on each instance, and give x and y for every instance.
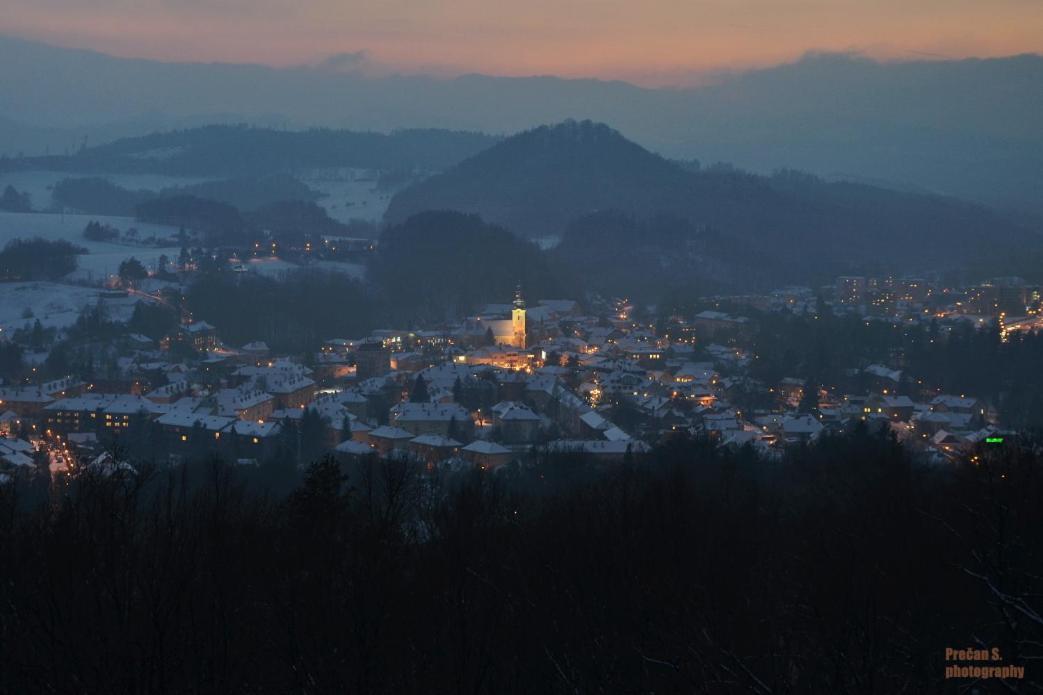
(544, 181)
(967, 128)
(237, 150)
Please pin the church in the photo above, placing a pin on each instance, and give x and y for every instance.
(509, 331)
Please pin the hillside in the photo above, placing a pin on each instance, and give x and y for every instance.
(242, 151)
(98, 196)
(538, 182)
(436, 265)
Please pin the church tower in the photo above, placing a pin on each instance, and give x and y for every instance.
(518, 320)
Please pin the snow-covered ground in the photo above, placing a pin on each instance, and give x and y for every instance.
(55, 305)
(270, 266)
(103, 258)
(38, 184)
(356, 271)
(275, 267)
(349, 193)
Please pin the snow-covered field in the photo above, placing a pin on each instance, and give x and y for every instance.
(54, 304)
(356, 271)
(278, 268)
(103, 258)
(349, 193)
(38, 184)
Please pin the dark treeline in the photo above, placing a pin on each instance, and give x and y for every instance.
(13, 200)
(99, 196)
(651, 258)
(221, 224)
(293, 315)
(440, 265)
(38, 259)
(846, 567)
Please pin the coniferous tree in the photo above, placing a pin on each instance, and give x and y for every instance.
(419, 393)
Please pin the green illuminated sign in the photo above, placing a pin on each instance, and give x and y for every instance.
(994, 440)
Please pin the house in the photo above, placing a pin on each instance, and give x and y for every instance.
(517, 422)
(10, 424)
(351, 450)
(354, 402)
(290, 388)
(372, 359)
(181, 428)
(76, 414)
(244, 403)
(256, 440)
(717, 425)
(26, 401)
(710, 325)
(896, 408)
(432, 418)
(801, 428)
(488, 455)
(540, 388)
(168, 393)
(882, 378)
(386, 440)
(958, 404)
(948, 443)
(200, 335)
(118, 414)
(433, 448)
(16, 456)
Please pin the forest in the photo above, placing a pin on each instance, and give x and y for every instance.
(845, 567)
(38, 259)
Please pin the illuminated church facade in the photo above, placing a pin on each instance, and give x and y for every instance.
(510, 332)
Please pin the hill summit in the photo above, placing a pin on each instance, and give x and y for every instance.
(539, 183)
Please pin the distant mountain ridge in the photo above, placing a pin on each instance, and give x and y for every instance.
(240, 150)
(540, 182)
(968, 128)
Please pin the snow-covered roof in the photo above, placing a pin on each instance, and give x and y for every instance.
(481, 446)
(386, 432)
(427, 412)
(350, 446)
(249, 428)
(213, 423)
(436, 440)
(804, 424)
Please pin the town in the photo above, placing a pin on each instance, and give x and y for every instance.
(605, 378)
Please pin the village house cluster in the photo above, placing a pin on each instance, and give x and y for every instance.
(508, 381)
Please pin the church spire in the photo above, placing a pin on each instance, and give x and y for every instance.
(518, 319)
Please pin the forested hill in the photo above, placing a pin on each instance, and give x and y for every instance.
(230, 150)
(538, 182)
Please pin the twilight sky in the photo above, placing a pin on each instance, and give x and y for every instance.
(647, 41)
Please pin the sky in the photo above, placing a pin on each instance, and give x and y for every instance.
(654, 42)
